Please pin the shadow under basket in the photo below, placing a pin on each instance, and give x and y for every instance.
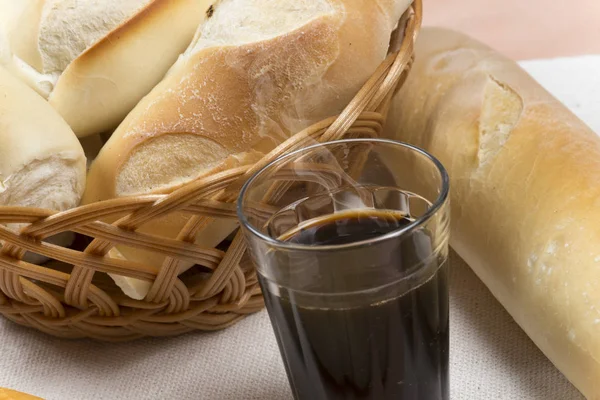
(72, 294)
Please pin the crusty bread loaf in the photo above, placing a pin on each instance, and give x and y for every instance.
(256, 72)
(95, 60)
(41, 162)
(525, 184)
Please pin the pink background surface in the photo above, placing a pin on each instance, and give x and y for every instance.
(523, 29)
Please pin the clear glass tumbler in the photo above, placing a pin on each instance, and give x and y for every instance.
(350, 241)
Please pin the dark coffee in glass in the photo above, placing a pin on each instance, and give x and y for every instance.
(354, 275)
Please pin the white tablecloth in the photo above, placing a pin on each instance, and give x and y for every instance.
(491, 358)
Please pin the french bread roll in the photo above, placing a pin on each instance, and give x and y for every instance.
(42, 164)
(256, 72)
(525, 191)
(94, 60)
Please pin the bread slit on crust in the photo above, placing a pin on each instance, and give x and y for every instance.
(256, 72)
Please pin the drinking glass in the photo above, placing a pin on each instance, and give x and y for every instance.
(350, 242)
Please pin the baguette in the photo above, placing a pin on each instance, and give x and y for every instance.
(525, 190)
(256, 72)
(42, 164)
(94, 60)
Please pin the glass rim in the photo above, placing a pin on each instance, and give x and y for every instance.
(431, 210)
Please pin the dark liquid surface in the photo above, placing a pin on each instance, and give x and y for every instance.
(390, 348)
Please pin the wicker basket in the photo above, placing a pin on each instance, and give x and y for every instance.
(72, 295)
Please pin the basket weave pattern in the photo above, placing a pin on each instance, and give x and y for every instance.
(72, 297)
